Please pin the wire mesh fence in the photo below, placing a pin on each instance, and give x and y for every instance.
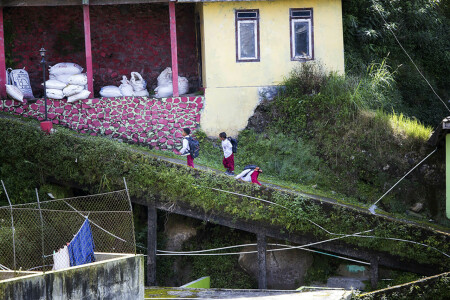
(33, 235)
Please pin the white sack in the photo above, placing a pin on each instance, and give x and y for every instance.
(54, 94)
(72, 89)
(62, 77)
(20, 78)
(54, 84)
(110, 91)
(143, 93)
(183, 85)
(137, 82)
(14, 92)
(165, 77)
(78, 79)
(164, 91)
(80, 96)
(127, 90)
(65, 68)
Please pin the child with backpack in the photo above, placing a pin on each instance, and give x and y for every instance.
(228, 155)
(190, 147)
(250, 174)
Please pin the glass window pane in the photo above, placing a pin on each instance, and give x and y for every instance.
(301, 13)
(247, 14)
(247, 40)
(301, 39)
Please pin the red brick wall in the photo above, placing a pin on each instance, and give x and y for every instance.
(125, 38)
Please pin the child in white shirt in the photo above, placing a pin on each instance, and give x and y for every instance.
(228, 156)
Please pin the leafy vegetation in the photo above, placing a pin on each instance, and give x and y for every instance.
(422, 27)
(89, 161)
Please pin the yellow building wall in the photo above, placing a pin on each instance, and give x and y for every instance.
(231, 93)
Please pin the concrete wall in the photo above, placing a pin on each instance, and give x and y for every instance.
(125, 38)
(153, 122)
(232, 88)
(117, 278)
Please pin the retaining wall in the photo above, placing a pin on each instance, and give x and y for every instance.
(154, 122)
(117, 278)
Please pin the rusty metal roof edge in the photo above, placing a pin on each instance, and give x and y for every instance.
(23, 3)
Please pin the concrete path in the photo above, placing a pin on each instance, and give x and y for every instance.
(188, 293)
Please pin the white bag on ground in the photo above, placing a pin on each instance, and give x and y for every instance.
(14, 92)
(165, 77)
(143, 93)
(78, 79)
(80, 96)
(54, 84)
(126, 88)
(55, 94)
(72, 89)
(137, 82)
(20, 78)
(65, 68)
(62, 77)
(183, 85)
(164, 91)
(110, 91)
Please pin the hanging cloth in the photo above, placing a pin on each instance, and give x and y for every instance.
(81, 248)
(61, 259)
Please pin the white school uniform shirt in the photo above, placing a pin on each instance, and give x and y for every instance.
(247, 177)
(185, 149)
(227, 148)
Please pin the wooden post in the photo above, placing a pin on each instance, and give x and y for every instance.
(173, 46)
(262, 269)
(151, 245)
(374, 272)
(87, 46)
(2, 58)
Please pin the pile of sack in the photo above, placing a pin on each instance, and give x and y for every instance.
(165, 87)
(66, 80)
(136, 86)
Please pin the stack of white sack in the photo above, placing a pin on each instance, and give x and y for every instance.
(165, 87)
(136, 86)
(66, 80)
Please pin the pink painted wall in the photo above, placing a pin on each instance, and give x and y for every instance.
(154, 122)
(125, 38)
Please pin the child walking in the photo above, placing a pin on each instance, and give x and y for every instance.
(228, 156)
(185, 150)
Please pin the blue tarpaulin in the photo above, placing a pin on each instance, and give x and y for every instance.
(81, 248)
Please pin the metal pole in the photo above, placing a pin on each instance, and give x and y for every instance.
(42, 231)
(12, 225)
(45, 88)
(131, 211)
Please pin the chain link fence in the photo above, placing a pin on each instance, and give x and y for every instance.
(31, 233)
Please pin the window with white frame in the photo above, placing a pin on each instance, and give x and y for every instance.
(302, 40)
(247, 35)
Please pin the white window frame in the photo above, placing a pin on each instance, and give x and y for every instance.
(247, 20)
(309, 21)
